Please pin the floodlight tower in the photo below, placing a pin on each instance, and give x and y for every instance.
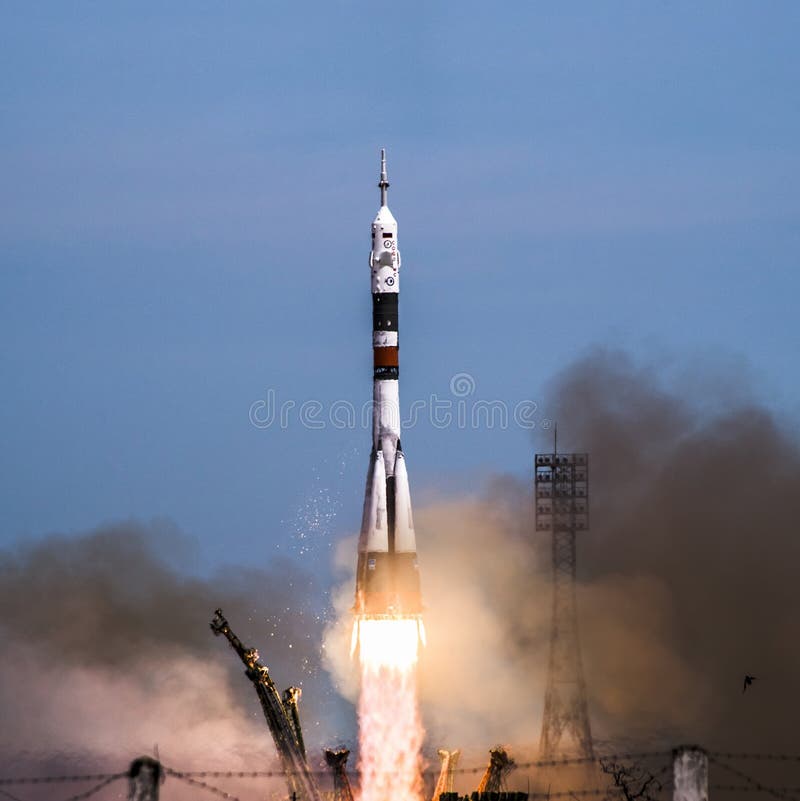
(562, 508)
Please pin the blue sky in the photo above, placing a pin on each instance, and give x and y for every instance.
(186, 199)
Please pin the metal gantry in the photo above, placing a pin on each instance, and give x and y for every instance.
(337, 762)
(562, 509)
(445, 782)
(280, 713)
(500, 765)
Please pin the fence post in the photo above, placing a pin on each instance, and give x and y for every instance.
(689, 773)
(144, 778)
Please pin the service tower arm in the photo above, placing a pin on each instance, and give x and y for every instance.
(284, 724)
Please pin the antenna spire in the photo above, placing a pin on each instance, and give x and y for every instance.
(384, 181)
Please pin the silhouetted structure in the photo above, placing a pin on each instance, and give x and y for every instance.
(337, 762)
(562, 508)
(500, 765)
(280, 713)
(144, 778)
(447, 773)
(476, 796)
(492, 786)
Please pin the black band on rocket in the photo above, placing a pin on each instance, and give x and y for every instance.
(384, 311)
(386, 373)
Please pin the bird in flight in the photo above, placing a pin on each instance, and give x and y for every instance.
(748, 680)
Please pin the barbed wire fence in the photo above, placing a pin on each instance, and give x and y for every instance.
(197, 778)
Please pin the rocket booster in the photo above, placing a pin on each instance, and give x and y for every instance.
(387, 578)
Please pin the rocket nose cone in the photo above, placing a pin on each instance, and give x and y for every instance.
(385, 217)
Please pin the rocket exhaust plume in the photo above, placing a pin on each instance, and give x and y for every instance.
(388, 605)
(390, 730)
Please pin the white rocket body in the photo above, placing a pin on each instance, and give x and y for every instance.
(387, 581)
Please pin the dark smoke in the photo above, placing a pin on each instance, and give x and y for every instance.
(687, 578)
(107, 651)
(687, 582)
(690, 570)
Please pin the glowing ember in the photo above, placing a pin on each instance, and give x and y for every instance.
(390, 730)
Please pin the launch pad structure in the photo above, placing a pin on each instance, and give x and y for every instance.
(336, 758)
(494, 779)
(449, 761)
(561, 483)
(281, 714)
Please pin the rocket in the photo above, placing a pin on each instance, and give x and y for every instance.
(387, 577)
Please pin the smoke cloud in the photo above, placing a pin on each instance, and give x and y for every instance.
(481, 678)
(687, 577)
(687, 581)
(107, 652)
(689, 571)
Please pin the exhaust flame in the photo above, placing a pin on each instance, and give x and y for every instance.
(390, 730)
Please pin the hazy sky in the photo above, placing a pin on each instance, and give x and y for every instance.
(186, 197)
